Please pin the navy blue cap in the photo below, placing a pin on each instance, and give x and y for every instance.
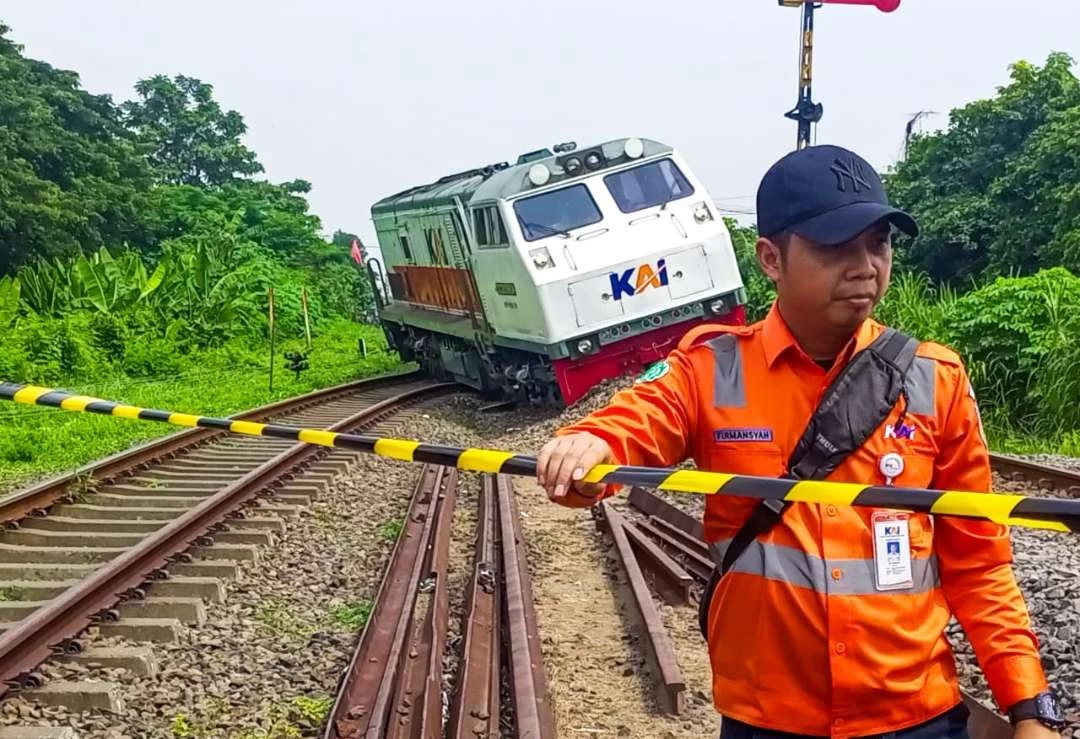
(826, 194)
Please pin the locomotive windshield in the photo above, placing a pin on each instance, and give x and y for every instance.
(655, 183)
(556, 212)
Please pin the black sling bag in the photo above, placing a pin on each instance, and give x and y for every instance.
(857, 402)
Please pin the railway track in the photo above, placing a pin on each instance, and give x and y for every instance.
(126, 544)
(1040, 476)
(394, 684)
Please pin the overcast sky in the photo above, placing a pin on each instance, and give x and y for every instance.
(367, 98)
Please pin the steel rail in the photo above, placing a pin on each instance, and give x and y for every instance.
(41, 495)
(1044, 475)
(418, 679)
(475, 710)
(31, 640)
(533, 717)
(671, 579)
(362, 701)
(660, 651)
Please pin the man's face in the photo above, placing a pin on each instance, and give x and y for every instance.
(832, 287)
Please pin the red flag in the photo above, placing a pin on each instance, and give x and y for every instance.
(355, 252)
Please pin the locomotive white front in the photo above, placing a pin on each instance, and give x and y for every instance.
(548, 276)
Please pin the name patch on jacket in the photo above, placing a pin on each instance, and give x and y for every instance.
(743, 434)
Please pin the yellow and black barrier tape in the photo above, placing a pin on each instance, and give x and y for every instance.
(1016, 510)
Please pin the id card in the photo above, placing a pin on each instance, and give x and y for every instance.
(892, 551)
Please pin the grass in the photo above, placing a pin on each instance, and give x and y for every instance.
(37, 441)
(1024, 411)
(391, 530)
(280, 720)
(277, 616)
(12, 592)
(353, 615)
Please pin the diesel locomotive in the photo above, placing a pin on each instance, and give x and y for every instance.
(540, 279)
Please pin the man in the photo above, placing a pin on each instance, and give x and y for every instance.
(831, 621)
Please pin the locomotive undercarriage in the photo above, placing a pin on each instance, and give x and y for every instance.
(500, 373)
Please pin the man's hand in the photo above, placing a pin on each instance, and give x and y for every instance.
(1033, 729)
(566, 459)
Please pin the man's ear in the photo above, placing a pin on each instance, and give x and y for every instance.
(769, 258)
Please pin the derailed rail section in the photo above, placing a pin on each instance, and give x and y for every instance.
(533, 717)
(393, 686)
(375, 676)
(658, 645)
(475, 710)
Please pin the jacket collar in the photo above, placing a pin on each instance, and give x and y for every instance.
(777, 339)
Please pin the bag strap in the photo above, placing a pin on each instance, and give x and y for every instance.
(857, 402)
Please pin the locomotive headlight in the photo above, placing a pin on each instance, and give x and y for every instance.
(593, 161)
(539, 174)
(585, 346)
(718, 308)
(541, 257)
(572, 166)
(702, 214)
(634, 148)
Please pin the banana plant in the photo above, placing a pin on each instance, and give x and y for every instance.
(99, 282)
(9, 300)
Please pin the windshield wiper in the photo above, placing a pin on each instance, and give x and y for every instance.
(550, 229)
(670, 196)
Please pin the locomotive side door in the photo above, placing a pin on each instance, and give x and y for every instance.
(463, 258)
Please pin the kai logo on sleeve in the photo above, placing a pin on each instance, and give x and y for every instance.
(637, 280)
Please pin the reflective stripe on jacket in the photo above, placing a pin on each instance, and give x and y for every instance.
(800, 638)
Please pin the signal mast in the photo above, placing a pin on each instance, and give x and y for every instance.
(806, 111)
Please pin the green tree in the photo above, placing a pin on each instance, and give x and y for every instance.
(188, 138)
(760, 291)
(71, 177)
(996, 192)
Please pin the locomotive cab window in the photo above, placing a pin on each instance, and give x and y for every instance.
(405, 248)
(489, 228)
(648, 185)
(556, 213)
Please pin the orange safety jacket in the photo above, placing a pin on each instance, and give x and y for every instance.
(800, 638)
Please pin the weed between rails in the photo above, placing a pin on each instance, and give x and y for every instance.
(283, 720)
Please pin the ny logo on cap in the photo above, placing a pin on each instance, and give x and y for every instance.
(850, 168)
